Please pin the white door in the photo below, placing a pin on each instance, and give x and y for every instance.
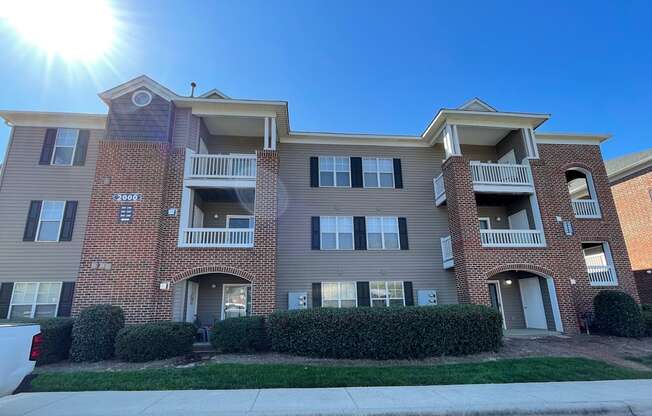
(518, 221)
(508, 157)
(191, 301)
(535, 315)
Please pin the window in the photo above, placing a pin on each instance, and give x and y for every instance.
(334, 171)
(49, 225)
(34, 300)
(339, 295)
(240, 221)
(64, 146)
(336, 233)
(382, 233)
(378, 173)
(141, 98)
(387, 293)
(485, 223)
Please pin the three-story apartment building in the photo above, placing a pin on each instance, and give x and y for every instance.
(204, 208)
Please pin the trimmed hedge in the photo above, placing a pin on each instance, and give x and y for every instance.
(94, 332)
(386, 333)
(57, 337)
(244, 334)
(617, 313)
(154, 341)
(646, 315)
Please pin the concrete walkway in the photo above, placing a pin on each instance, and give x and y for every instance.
(631, 397)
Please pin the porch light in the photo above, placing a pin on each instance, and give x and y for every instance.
(508, 282)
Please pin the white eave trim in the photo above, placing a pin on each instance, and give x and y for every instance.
(214, 91)
(48, 119)
(133, 85)
(570, 138)
(353, 139)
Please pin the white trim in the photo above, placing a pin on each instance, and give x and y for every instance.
(499, 293)
(248, 294)
(554, 304)
(273, 139)
(339, 293)
(54, 120)
(591, 190)
(38, 227)
(387, 298)
(488, 219)
(382, 232)
(629, 169)
(337, 234)
(378, 172)
(571, 138)
(74, 148)
(214, 91)
(352, 140)
(136, 83)
(133, 98)
(34, 304)
(334, 171)
(477, 101)
(249, 217)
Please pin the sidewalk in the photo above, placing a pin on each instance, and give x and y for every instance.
(626, 397)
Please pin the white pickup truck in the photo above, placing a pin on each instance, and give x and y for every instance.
(20, 347)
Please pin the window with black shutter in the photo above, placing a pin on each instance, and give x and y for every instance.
(68, 223)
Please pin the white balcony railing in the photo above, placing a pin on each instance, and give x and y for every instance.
(586, 208)
(511, 238)
(222, 166)
(218, 237)
(602, 275)
(447, 252)
(500, 174)
(440, 191)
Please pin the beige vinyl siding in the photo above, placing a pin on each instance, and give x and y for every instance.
(222, 210)
(479, 153)
(232, 144)
(299, 266)
(25, 180)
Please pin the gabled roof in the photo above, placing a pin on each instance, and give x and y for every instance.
(476, 104)
(214, 93)
(627, 165)
(134, 84)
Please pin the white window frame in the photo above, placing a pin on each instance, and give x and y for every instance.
(34, 304)
(387, 297)
(337, 234)
(249, 217)
(382, 232)
(38, 227)
(378, 172)
(339, 293)
(334, 171)
(487, 219)
(74, 147)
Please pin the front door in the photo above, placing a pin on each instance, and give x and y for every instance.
(535, 315)
(235, 301)
(191, 301)
(496, 299)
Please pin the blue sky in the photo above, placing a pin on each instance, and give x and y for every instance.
(371, 66)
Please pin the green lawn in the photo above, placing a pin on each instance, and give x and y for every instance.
(240, 376)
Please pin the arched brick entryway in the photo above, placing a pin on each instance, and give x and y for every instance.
(187, 274)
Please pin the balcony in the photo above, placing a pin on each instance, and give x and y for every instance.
(222, 166)
(586, 208)
(218, 238)
(501, 177)
(511, 238)
(440, 191)
(602, 275)
(447, 252)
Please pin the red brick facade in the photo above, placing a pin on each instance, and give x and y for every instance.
(562, 258)
(633, 199)
(124, 264)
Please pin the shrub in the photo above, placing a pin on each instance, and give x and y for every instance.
(57, 338)
(647, 307)
(386, 333)
(94, 332)
(154, 341)
(245, 334)
(647, 322)
(616, 313)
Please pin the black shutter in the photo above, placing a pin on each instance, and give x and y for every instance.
(316, 295)
(68, 221)
(398, 174)
(32, 221)
(363, 294)
(409, 296)
(314, 223)
(65, 301)
(356, 172)
(359, 233)
(314, 172)
(5, 299)
(402, 233)
(48, 146)
(82, 147)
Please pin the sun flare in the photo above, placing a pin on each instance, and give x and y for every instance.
(75, 30)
